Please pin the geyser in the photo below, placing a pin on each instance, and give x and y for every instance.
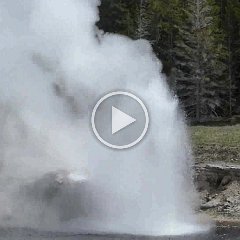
(54, 66)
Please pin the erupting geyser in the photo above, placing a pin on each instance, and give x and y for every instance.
(54, 66)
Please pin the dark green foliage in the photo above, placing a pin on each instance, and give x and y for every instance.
(198, 42)
(231, 25)
(200, 61)
(167, 16)
(118, 16)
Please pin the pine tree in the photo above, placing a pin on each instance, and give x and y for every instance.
(118, 16)
(166, 17)
(143, 20)
(200, 61)
(231, 24)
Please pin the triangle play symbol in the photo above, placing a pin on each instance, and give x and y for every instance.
(120, 120)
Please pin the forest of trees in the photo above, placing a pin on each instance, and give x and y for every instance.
(198, 42)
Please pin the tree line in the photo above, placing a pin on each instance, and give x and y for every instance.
(198, 42)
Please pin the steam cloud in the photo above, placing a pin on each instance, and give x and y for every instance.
(55, 64)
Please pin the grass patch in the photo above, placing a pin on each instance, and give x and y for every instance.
(211, 144)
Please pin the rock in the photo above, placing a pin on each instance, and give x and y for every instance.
(211, 204)
(226, 180)
(219, 187)
(204, 196)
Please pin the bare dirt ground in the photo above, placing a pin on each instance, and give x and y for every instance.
(217, 155)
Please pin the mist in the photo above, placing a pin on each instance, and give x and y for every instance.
(55, 64)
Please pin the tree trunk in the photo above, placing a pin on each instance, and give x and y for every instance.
(230, 68)
(198, 75)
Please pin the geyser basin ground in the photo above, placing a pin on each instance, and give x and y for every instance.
(221, 233)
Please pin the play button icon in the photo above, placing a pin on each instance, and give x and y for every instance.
(120, 120)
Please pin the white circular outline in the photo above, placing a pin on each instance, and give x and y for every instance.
(127, 145)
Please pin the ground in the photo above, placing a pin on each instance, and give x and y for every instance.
(216, 143)
(217, 155)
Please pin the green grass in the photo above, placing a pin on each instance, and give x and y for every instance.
(211, 144)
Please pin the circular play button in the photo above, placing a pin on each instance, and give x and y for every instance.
(120, 120)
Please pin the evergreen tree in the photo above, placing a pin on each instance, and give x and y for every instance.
(118, 16)
(143, 20)
(166, 17)
(231, 24)
(200, 60)
(197, 41)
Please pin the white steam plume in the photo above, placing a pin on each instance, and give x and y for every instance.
(54, 65)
